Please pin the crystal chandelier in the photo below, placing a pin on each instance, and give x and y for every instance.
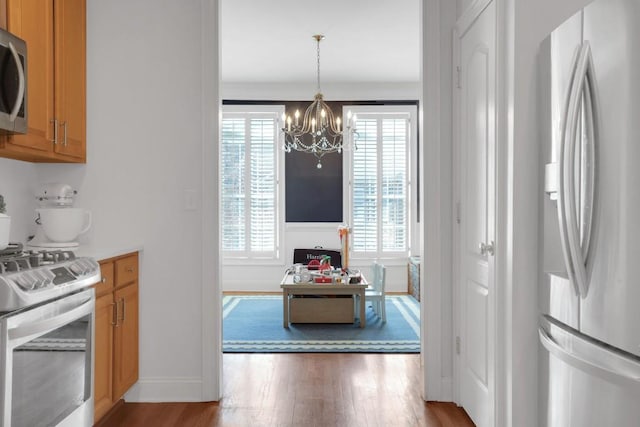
(320, 131)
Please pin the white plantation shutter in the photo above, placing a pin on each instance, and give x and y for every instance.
(249, 184)
(365, 187)
(263, 185)
(380, 172)
(233, 185)
(394, 185)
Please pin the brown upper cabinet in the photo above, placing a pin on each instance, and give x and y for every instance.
(3, 14)
(55, 33)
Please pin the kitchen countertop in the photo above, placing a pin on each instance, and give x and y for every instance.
(102, 252)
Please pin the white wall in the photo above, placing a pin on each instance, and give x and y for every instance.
(461, 6)
(144, 127)
(447, 20)
(438, 20)
(16, 185)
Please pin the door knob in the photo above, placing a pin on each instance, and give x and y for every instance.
(486, 248)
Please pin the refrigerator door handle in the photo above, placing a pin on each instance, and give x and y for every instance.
(576, 237)
(563, 216)
(581, 361)
(592, 111)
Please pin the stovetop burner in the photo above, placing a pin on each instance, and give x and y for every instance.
(26, 260)
(11, 249)
(33, 276)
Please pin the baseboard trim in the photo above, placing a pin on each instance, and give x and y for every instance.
(447, 389)
(166, 389)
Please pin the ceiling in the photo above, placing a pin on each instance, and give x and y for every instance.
(366, 41)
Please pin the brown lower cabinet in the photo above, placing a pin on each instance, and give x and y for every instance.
(116, 332)
(103, 359)
(125, 351)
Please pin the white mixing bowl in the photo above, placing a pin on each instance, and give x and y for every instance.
(62, 225)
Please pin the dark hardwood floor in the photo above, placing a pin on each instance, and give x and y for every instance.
(306, 390)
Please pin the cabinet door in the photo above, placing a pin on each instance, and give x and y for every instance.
(103, 361)
(126, 340)
(33, 22)
(126, 270)
(107, 282)
(70, 76)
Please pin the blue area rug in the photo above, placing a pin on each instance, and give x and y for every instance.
(253, 324)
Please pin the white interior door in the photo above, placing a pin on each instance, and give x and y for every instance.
(476, 194)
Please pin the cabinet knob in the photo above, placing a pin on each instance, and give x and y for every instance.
(104, 280)
(129, 269)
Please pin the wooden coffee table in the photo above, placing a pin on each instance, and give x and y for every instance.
(321, 309)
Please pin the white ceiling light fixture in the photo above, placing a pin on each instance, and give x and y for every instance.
(320, 132)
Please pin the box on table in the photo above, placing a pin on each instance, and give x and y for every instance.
(321, 309)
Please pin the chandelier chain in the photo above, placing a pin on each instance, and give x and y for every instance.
(318, 62)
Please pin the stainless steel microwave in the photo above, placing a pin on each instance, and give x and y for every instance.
(13, 84)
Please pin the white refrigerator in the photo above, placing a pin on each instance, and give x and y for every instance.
(590, 292)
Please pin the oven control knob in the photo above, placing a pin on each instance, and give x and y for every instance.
(26, 281)
(42, 279)
(84, 267)
(20, 281)
(48, 277)
(33, 280)
(37, 280)
(76, 269)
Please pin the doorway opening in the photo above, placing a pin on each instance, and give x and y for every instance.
(254, 86)
(432, 157)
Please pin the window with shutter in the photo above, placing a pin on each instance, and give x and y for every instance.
(250, 166)
(380, 176)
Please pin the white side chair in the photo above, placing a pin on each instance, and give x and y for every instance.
(376, 291)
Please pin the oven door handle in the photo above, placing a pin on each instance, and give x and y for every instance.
(28, 331)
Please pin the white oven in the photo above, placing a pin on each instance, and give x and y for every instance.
(47, 313)
(46, 367)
